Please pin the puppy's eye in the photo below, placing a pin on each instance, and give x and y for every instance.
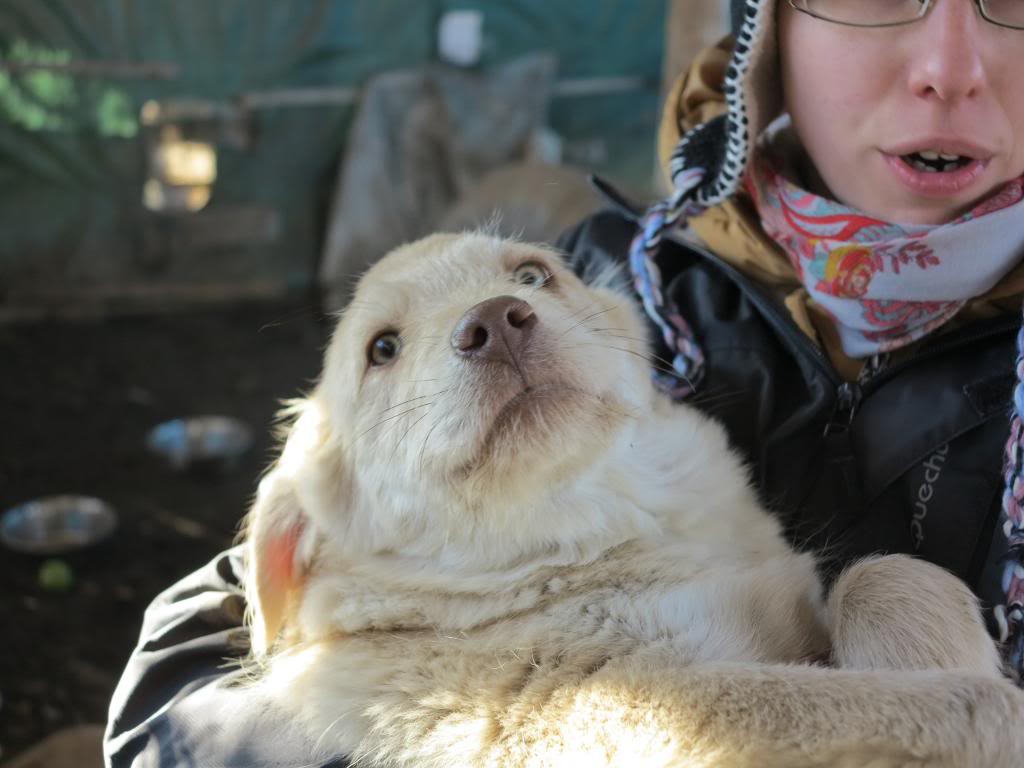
(384, 348)
(531, 273)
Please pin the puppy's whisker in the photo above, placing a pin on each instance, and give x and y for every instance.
(708, 398)
(426, 438)
(317, 744)
(420, 381)
(712, 403)
(626, 337)
(591, 316)
(389, 418)
(598, 313)
(406, 434)
(414, 399)
(289, 317)
(654, 361)
(358, 304)
(404, 402)
(653, 358)
(575, 314)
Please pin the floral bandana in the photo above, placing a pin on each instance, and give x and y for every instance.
(887, 285)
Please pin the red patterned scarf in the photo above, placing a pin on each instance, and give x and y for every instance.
(886, 285)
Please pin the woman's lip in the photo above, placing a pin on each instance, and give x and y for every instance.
(941, 184)
(943, 145)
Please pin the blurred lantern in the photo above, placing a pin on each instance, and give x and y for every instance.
(181, 154)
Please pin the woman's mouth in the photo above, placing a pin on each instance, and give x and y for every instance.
(934, 173)
(930, 161)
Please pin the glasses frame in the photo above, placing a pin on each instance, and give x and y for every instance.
(925, 7)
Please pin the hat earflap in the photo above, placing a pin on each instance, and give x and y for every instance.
(707, 168)
(696, 152)
(1010, 617)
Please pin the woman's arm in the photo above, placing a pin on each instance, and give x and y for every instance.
(178, 702)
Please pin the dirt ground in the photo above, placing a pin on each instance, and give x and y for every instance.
(76, 400)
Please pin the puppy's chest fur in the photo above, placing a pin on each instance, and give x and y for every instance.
(645, 588)
(417, 656)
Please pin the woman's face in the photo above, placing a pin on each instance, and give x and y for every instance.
(864, 101)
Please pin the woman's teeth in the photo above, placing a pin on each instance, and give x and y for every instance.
(935, 162)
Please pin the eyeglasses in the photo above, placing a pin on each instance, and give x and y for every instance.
(892, 13)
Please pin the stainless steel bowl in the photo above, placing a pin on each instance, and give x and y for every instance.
(200, 441)
(56, 524)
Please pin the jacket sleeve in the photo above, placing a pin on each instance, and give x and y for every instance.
(181, 699)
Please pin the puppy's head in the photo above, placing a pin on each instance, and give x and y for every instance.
(470, 387)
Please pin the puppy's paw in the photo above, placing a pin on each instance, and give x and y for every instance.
(897, 612)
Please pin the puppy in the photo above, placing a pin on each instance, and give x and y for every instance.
(488, 541)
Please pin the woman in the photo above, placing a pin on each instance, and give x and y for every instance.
(849, 315)
(878, 229)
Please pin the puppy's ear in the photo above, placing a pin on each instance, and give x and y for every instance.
(280, 528)
(275, 573)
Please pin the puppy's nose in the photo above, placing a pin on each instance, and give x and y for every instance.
(496, 329)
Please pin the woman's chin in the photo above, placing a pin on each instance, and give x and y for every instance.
(899, 207)
(887, 191)
(934, 203)
(921, 215)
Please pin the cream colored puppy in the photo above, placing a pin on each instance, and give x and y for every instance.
(489, 541)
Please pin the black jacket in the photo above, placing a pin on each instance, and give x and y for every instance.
(907, 462)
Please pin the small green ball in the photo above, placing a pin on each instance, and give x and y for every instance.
(56, 575)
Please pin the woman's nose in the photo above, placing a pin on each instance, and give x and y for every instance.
(947, 62)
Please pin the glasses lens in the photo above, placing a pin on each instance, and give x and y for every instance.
(870, 13)
(1007, 12)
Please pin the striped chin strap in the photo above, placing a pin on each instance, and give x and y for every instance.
(1010, 617)
(707, 167)
(687, 370)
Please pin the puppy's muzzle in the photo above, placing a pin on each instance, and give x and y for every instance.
(498, 330)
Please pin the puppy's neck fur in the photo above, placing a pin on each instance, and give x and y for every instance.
(644, 490)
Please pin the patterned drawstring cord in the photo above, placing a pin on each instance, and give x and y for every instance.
(688, 360)
(1010, 617)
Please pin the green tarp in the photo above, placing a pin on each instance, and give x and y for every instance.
(73, 155)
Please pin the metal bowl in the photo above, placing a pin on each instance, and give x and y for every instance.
(200, 441)
(56, 524)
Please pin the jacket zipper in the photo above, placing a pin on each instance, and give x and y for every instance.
(848, 398)
(942, 345)
(848, 394)
(848, 401)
